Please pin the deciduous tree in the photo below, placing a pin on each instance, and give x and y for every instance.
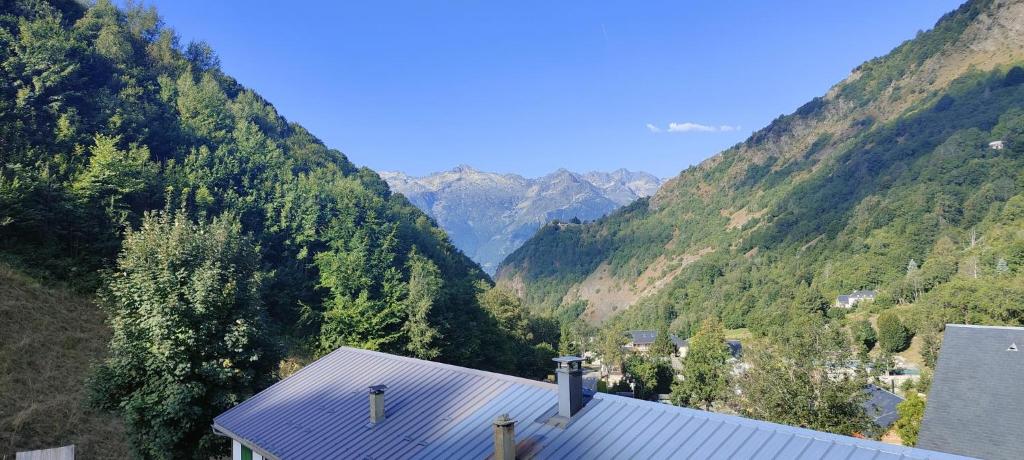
(705, 368)
(190, 339)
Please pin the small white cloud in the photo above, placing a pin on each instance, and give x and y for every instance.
(690, 127)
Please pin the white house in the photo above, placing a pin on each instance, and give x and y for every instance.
(847, 301)
(996, 145)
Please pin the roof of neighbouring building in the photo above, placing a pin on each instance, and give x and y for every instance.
(642, 337)
(439, 411)
(863, 294)
(56, 453)
(975, 406)
(881, 406)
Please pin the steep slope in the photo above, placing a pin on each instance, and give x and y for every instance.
(489, 215)
(51, 336)
(891, 164)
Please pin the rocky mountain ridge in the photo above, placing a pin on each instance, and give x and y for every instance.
(489, 215)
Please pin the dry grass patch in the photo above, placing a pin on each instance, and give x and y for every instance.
(49, 339)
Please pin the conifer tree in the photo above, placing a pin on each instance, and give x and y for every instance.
(424, 292)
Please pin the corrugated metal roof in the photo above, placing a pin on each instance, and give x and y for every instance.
(56, 453)
(975, 406)
(438, 411)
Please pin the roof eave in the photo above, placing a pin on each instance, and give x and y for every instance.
(221, 431)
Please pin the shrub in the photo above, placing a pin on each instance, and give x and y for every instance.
(893, 336)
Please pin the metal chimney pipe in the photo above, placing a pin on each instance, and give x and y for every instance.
(377, 403)
(570, 385)
(504, 438)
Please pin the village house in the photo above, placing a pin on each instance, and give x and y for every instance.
(848, 301)
(735, 348)
(996, 145)
(640, 341)
(369, 405)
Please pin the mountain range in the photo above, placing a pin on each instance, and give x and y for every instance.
(489, 215)
(906, 177)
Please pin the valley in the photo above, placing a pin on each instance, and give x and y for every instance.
(489, 215)
(185, 272)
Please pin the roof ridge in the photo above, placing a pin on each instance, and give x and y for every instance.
(451, 367)
(982, 326)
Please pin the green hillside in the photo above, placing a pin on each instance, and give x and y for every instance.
(220, 237)
(892, 165)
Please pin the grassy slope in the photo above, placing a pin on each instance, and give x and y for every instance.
(49, 337)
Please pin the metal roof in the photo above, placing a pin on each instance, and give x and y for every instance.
(643, 337)
(56, 453)
(976, 406)
(439, 411)
(881, 406)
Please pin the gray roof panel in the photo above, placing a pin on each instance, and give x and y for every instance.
(438, 411)
(975, 406)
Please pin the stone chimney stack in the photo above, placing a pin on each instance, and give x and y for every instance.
(377, 403)
(570, 385)
(504, 438)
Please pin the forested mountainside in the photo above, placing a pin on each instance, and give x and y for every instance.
(219, 237)
(907, 177)
(489, 215)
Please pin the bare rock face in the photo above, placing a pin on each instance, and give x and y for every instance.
(489, 215)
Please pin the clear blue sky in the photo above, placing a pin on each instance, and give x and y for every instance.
(531, 86)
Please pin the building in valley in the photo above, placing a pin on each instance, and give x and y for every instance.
(848, 301)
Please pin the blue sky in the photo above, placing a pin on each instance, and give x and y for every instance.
(532, 86)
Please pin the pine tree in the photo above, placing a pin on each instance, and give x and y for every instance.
(1001, 266)
(424, 291)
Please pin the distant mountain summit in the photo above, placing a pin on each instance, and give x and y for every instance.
(489, 215)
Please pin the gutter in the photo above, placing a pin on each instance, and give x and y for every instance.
(221, 431)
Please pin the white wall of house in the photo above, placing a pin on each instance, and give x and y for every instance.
(236, 452)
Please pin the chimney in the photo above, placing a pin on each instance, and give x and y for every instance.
(377, 403)
(504, 438)
(570, 385)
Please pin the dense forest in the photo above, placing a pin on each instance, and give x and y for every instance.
(219, 239)
(888, 182)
